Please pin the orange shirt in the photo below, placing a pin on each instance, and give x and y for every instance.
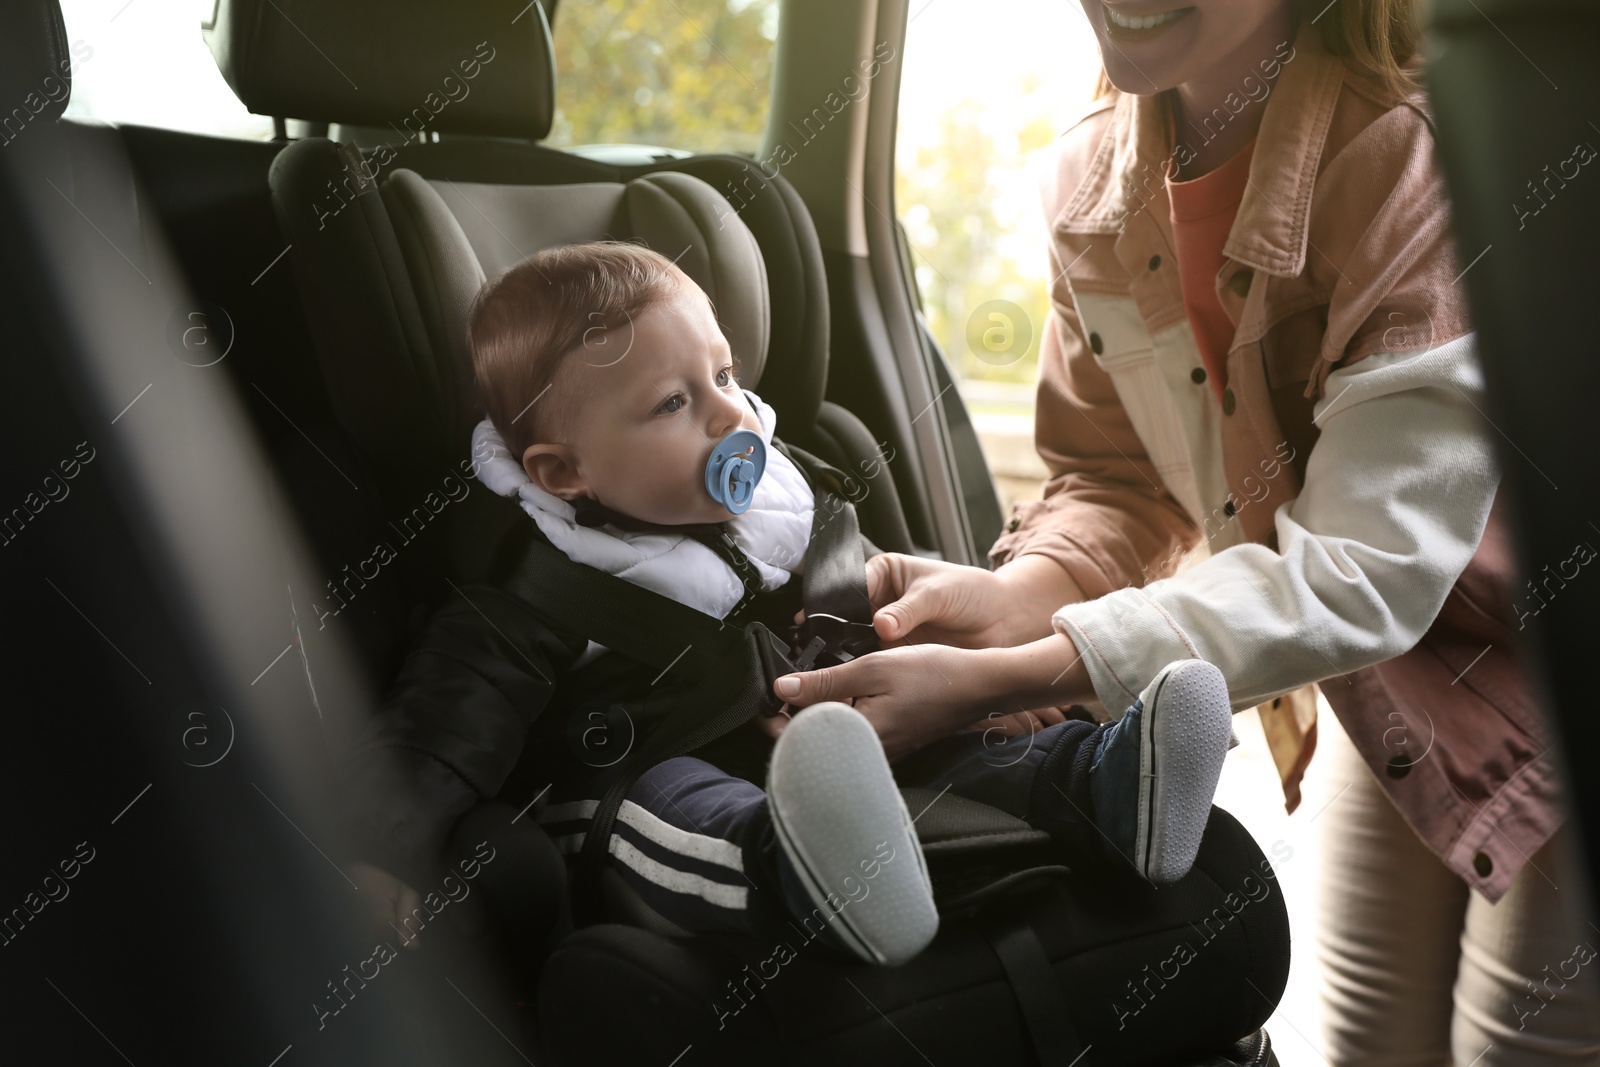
(1202, 214)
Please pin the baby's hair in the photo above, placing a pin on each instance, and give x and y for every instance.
(526, 321)
(1376, 38)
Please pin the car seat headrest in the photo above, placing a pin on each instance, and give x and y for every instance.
(35, 65)
(468, 66)
(456, 235)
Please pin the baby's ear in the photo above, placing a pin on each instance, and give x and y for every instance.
(553, 468)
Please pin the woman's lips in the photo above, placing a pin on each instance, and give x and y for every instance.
(1125, 26)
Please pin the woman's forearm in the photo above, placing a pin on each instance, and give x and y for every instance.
(1396, 496)
(1046, 673)
(1036, 586)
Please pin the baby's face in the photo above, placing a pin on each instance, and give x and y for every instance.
(648, 406)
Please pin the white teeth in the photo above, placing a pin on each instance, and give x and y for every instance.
(1141, 22)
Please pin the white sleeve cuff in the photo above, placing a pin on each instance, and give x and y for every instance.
(1122, 637)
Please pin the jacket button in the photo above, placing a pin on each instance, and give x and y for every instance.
(1094, 343)
(1198, 375)
(1013, 523)
(1483, 864)
(1155, 262)
(1227, 402)
(1228, 508)
(1399, 766)
(1240, 282)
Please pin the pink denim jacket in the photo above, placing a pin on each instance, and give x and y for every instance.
(1314, 277)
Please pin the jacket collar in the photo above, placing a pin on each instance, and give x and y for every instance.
(1271, 230)
(676, 562)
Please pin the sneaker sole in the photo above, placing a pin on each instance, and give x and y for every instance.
(836, 808)
(1186, 727)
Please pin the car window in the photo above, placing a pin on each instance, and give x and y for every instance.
(146, 63)
(980, 98)
(691, 74)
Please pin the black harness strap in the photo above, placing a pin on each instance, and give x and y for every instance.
(1055, 1040)
(614, 612)
(834, 586)
(734, 666)
(660, 632)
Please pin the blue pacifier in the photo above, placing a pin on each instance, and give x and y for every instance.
(733, 470)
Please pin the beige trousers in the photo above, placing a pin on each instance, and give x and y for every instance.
(1419, 971)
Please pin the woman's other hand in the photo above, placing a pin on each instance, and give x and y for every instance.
(389, 900)
(916, 694)
(912, 695)
(918, 600)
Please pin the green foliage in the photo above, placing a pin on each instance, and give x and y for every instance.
(690, 74)
(696, 74)
(966, 251)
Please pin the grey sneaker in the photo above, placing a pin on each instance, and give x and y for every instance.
(1153, 776)
(845, 831)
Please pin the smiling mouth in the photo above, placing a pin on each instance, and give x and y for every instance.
(1119, 21)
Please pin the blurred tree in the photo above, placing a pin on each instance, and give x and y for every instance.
(690, 74)
(967, 250)
(696, 74)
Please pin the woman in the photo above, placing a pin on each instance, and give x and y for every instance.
(1257, 342)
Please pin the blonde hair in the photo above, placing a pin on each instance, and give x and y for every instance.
(1377, 38)
(524, 322)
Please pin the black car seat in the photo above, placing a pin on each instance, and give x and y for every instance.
(389, 244)
(394, 366)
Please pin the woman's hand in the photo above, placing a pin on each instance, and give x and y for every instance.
(917, 693)
(912, 695)
(919, 601)
(389, 900)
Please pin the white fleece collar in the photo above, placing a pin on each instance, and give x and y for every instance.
(774, 532)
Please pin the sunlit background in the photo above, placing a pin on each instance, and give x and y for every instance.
(982, 99)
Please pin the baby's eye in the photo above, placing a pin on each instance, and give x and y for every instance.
(725, 377)
(671, 405)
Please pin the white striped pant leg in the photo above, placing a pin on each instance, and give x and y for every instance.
(694, 842)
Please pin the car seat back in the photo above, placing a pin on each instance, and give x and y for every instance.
(390, 244)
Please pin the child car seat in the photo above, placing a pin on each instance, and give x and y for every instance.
(389, 246)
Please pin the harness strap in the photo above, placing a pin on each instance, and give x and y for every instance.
(735, 666)
(834, 586)
(612, 611)
(731, 687)
(1039, 996)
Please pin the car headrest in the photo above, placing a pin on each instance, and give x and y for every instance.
(456, 235)
(35, 66)
(467, 66)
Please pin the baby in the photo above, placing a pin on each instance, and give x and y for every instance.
(609, 388)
